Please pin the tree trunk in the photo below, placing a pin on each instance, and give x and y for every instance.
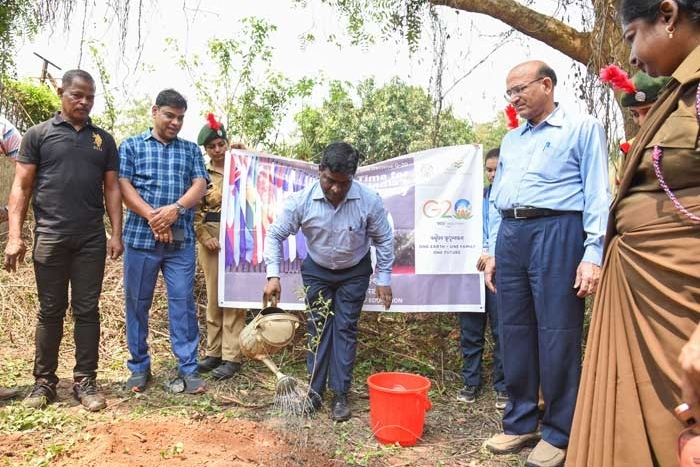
(600, 46)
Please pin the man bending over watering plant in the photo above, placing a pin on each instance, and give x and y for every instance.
(338, 218)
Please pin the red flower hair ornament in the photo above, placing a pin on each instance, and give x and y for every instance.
(618, 78)
(512, 116)
(211, 121)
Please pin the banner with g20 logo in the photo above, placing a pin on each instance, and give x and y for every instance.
(434, 199)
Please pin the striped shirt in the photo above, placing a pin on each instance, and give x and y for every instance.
(10, 139)
(161, 174)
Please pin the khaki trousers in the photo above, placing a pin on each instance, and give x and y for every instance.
(224, 325)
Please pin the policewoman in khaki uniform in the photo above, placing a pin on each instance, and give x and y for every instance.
(224, 325)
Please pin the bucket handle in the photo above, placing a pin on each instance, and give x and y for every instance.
(426, 401)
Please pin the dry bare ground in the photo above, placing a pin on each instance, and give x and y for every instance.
(235, 423)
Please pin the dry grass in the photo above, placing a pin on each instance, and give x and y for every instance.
(418, 343)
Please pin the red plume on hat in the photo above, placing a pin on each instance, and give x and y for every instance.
(213, 124)
(512, 116)
(618, 78)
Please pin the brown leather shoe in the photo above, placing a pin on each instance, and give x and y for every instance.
(88, 394)
(546, 455)
(6, 393)
(508, 444)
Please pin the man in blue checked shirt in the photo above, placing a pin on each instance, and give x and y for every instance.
(549, 209)
(162, 178)
(338, 217)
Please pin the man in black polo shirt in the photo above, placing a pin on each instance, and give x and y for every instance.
(69, 168)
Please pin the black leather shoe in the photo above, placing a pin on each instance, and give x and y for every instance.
(208, 364)
(340, 410)
(311, 404)
(225, 370)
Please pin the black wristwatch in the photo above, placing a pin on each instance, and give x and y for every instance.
(180, 209)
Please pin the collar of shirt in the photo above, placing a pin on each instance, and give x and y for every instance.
(353, 193)
(556, 118)
(688, 69)
(58, 120)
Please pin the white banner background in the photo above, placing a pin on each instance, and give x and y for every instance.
(434, 199)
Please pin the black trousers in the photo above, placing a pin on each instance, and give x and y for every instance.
(60, 260)
(335, 299)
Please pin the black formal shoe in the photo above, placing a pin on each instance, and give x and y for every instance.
(225, 370)
(311, 404)
(340, 411)
(209, 363)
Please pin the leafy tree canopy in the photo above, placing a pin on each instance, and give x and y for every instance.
(382, 122)
(235, 80)
(25, 104)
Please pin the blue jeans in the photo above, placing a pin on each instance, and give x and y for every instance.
(472, 332)
(140, 273)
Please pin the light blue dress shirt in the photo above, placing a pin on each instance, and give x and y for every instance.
(562, 164)
(336, 238)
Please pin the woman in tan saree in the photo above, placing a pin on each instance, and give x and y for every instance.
(648, 302)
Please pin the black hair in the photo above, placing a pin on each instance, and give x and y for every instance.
(493, 153)
(648, 10)
(545, 71)
(171, 98)
(70, 75)
(340, 157)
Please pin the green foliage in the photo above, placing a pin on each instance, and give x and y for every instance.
(109, 118)
(399, 18)
(25, 104)
(491, 133)
(16, 418)
(133, 118)
(173, 451)
(251, 96)
(17, 19)
(388, 121)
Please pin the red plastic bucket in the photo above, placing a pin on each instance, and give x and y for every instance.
(397, 405)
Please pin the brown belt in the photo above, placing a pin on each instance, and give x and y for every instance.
(530, 213)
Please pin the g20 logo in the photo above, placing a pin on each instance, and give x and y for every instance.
(434, 208)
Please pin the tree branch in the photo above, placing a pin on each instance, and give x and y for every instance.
(558, 35)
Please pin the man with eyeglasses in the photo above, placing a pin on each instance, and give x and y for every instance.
(162, 178)
(548, 213)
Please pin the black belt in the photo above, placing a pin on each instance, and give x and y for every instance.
(525, 212)
(212, 217)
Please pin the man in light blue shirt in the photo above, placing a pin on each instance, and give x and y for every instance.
(548, 214)
(339, 218)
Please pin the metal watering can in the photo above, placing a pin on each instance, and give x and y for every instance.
(270, 330)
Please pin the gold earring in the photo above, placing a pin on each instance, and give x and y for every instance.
(670, 30)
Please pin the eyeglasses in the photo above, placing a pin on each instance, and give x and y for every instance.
(517, 90)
